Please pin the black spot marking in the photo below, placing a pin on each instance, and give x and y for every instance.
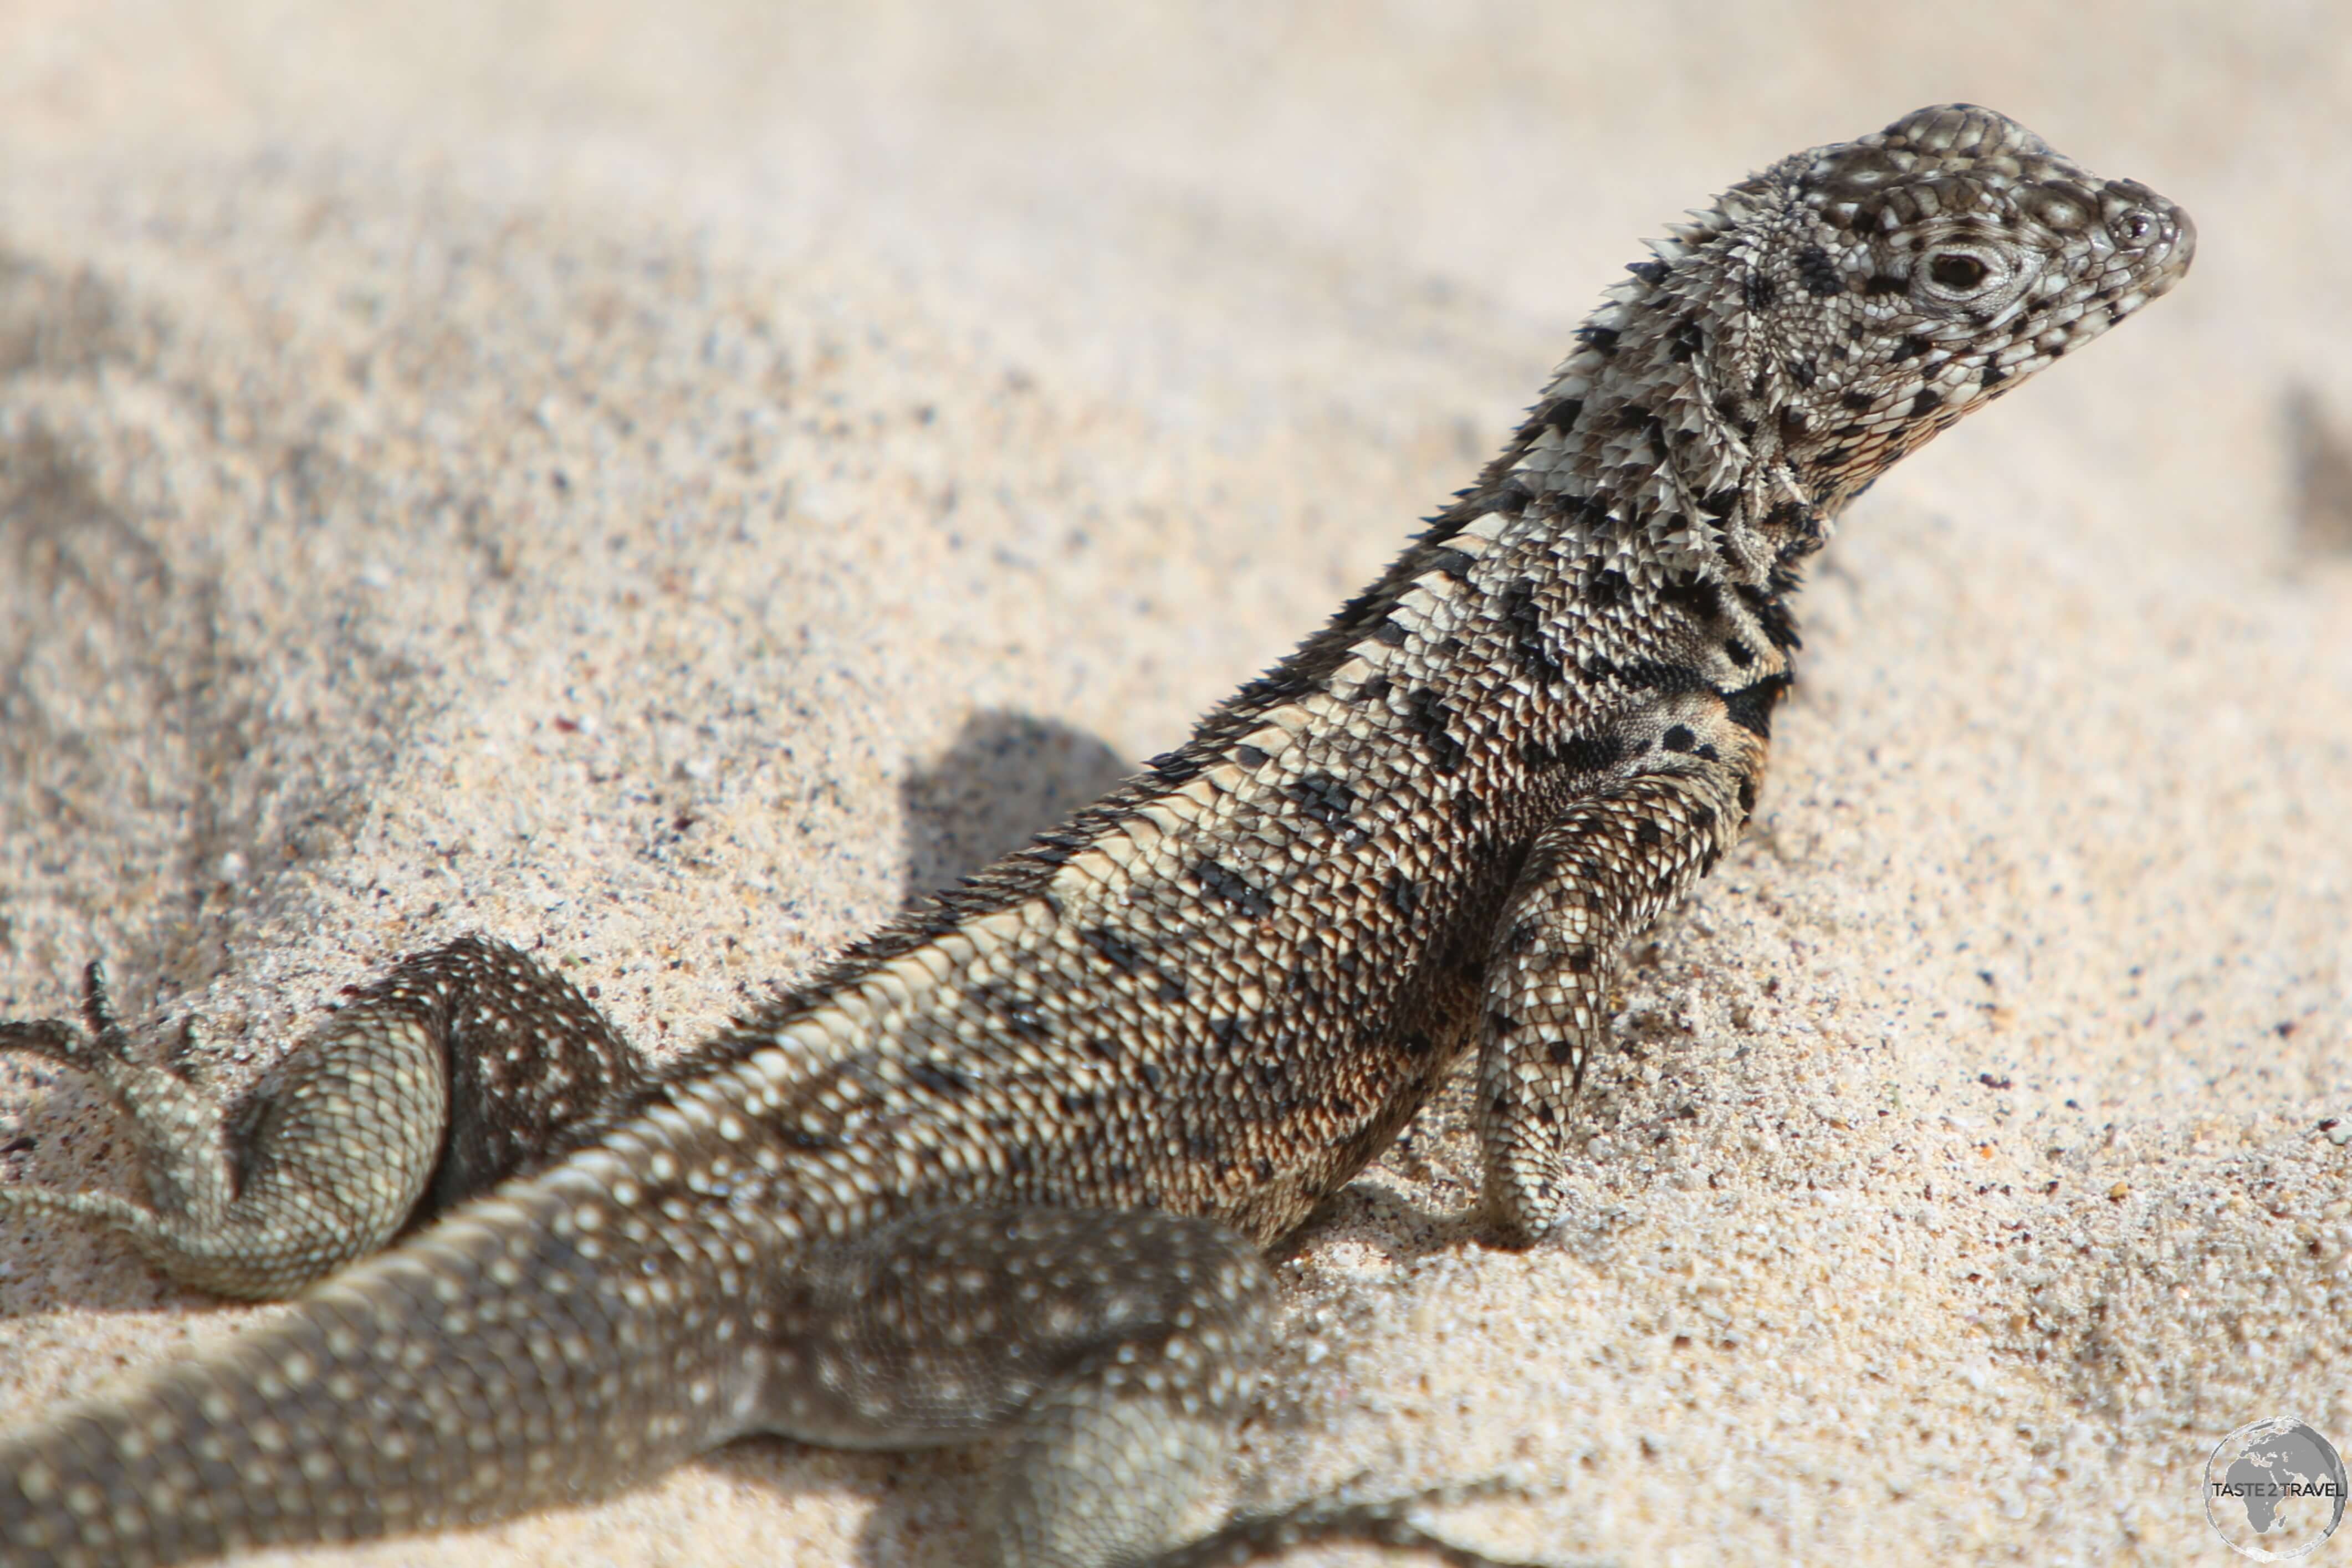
(1846, 432)
(1392, 632)
(1818, 273)
(1835, 457)
(1221, 882)
(1524, 619)
(1993, 376)
(1562, 414)
(1750, 708)
(1114, 950)
(1648, 271)
(1606, 587)
(1854, 400)
(938, 1077)
(1910, 348)
(1719, 503)
(1758, 291)
(1561, 1053)
(1175, 768)
(1803, 372)
(1428, 716)
(1926, 402)
(1403, 893)
(1747, 795)
(1738, 652)
(1153, 1076)
(1376, 689)
(1603, 340)
(1589, 753)
(1674, 680)
(1698, 597)
(1580, 960)
(1454, 563)
(1322, 797)
(1886, 283)
(1687, 341)
(1249, 755)
(1102, 1047)
(1678, 739)
(1415, 1043)
(1647, 833)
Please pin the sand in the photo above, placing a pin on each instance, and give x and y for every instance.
(658, 490)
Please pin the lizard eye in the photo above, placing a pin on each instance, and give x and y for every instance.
(1957, 272)
(2133, 228)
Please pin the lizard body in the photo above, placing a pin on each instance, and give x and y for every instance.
(1004, 1166)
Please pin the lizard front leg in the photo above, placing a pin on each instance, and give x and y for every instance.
(438, 1083)
(1608, 865)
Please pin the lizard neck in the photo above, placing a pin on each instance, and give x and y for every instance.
(1668, 440)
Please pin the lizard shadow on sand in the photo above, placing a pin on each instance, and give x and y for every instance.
(1006, 776)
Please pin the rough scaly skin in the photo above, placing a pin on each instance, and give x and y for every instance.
(1005, 1165)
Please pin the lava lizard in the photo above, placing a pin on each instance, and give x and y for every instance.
(1003, 1168)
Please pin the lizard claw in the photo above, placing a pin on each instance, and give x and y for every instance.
(70, 1045)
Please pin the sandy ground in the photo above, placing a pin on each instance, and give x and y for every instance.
(657, 490)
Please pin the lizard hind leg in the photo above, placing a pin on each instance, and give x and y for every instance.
(1115, 1349)
(462, 1066)
(253, 1206)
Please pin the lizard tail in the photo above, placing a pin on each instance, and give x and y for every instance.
(541, 1346)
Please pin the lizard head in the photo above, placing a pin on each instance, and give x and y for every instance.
(1834, 312)
(1900, 281)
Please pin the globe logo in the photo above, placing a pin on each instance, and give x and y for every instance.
(2275, 1489)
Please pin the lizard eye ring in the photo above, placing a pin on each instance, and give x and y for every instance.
(2136, 227)
(1958, 274)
